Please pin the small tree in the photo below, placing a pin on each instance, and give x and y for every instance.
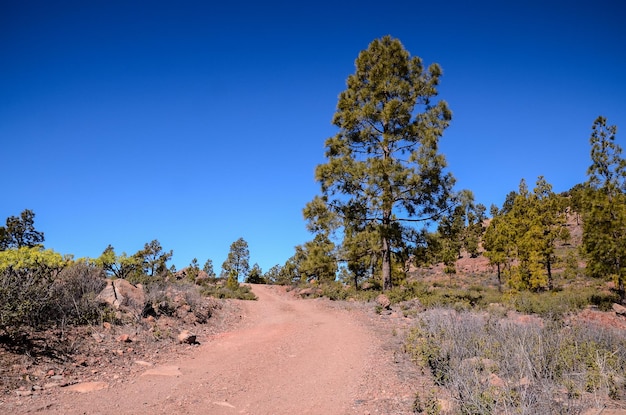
(238, 261)
(272, 276)
(474, 229)
(550, 215)
(208, 268)
(193, 270)
(255, 276)
(20, 232)
(316, 260)
(527, 233)
(497, 242)
(154, 259)
(122, 266)
(359, 251)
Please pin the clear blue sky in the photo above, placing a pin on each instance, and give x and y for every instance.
(196, 124)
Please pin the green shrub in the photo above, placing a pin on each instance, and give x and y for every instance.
(26, 287)
(429, 407)
(240, 292)
(555, 304)
(335, 291)
(604, 301)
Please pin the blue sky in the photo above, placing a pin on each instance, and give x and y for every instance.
(196, 124)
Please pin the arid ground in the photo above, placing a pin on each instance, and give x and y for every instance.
(284, 355)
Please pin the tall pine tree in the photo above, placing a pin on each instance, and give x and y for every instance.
(604, 220)
(384, 162)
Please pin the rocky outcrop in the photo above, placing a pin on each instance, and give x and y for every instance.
(310, 292)
(122, 295)
(383, 301)
(200, 277)
(87, 387)
(620, 310)
(187, 337)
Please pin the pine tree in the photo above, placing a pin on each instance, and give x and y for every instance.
(604, 220)
(154, 259)
(359, 251)
(384, 162)
(526, 274)
(256, 275)
(316, 260)
(208, 268)
(498, 242)
(20, 232)
(193, 270)
(237, 264)
(548, 211)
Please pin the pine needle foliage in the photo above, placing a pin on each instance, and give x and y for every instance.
(384, 168)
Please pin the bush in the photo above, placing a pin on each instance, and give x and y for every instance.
(335, 291)
(26, 299)
(555, 304)
(75, 293)
(494, 365)
(440, 296)
(232, 289)
(26, 287)
(170, 299)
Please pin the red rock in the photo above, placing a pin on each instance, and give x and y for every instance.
(620, 310)
(168, 371)
(87, 387)
(186, 336)
(383, 301)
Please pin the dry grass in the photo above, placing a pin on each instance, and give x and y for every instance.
(490, 364)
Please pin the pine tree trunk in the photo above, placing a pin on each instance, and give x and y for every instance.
(499, 277)
(386, 264)
(386, 223)
(620, 283)
(549, 269)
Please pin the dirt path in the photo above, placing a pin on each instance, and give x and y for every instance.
(288, 356)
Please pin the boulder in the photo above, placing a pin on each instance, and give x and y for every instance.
(167, 371)
(309, 292)
(383, 301)
(121, 294)
(109, 296)
(186, 336)
(134, 296)
(202, 277)
(620, 310)
(87, 387)
(124, 338)
(495, 381)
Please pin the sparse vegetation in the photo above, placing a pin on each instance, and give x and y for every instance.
(493, 364)
(232, 290)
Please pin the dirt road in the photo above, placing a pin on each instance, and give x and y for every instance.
(288, 356)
